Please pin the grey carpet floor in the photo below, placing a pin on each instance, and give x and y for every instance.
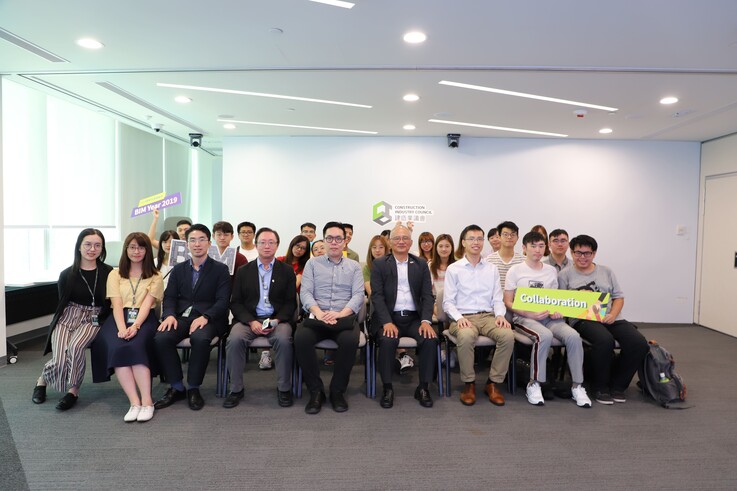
(259, 445)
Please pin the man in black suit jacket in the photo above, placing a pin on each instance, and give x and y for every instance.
(263, 304)
(402, 303)
(196, 306)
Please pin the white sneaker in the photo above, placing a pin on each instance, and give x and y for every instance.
(265, 361)
(535, 394)
(132, 414)
(146, 413)
(580, 396)
(405, 363)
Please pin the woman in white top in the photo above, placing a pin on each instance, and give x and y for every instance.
(442, 258)
(125, 343)
(162, 258)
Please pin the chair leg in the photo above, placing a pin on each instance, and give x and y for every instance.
(447, 367)
(512, 373)
(440, 371)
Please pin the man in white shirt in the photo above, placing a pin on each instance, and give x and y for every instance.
(246, 233)
(542, 327)
(473, 300)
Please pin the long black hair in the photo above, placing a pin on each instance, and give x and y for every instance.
(78, 254)
(166, 234)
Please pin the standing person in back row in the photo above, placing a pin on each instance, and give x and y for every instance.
(609, 382)
(506, 257)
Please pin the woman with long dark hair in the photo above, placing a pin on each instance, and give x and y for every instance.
(297, 256)
(443, 257)
(162, 257)
(125, 343)
(82, 309)
(426, 245)
(378, 247)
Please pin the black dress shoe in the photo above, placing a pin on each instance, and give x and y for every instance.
(67, 402)
(284, 397)
(195, 400)
(338, 401)
(423, 395)
(233, 399)
(172, 395)
(387, 399)
(39, 394)
(315, 403)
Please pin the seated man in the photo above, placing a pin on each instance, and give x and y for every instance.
(246, 231)
(196, 306)
(542, 327)
(402, 302)
(263, 304)
(473, 300)
(332, 293)
(558, 242)
(609, 383)
(223, 233)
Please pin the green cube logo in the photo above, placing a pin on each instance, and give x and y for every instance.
(382, 213)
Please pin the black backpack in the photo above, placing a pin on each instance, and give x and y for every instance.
(658, 377)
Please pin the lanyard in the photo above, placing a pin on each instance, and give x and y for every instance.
(93, 289)
(134, 289)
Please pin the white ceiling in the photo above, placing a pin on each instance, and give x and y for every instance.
(625, 54)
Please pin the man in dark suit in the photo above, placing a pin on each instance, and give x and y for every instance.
(196, 306)
(402, 303)
(263, 304)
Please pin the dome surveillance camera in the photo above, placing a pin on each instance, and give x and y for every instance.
(195, 139)
(156, 127)
(454, 139)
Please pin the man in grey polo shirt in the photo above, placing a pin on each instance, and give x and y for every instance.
(558, 243)
(332, 293)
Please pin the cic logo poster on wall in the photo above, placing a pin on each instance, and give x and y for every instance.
(384, 213)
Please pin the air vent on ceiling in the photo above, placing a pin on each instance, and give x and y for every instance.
(30, 47)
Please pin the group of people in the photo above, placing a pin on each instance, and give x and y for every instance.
(133, 317)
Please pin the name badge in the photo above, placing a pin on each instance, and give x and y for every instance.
(132, 316)
(95, 320)
(187, 312)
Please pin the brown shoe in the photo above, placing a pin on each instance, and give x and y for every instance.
(495, 396)
(468, 396)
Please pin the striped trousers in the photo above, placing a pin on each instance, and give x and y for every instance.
(72, 335)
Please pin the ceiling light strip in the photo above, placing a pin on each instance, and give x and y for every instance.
(527, 96)
(500, 128)
(336, 3)
(30, 47)
(298, 126)
(261, 94)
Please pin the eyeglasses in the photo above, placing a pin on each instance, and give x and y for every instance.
(508, 235)
(585, 254)
(245, 232)
(300, 248)
(426, 241)
(198, 240)
(559, 241)
(135, 248)
(403, 238)
(264, 243)
(474, 239)
(330, 239)
(89, 245)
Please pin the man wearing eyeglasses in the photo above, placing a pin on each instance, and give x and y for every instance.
(610, 381)
(402, 302)
(474, 301)
(195, 305)
(332, 293)
(246, 232)
(263, 304)
(506, 257)
(558, 243)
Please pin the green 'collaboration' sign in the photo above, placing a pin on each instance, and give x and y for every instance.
(580, 304)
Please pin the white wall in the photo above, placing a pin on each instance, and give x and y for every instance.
(3, 345)
(630, 196)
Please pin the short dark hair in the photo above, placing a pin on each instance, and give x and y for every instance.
(246, 224)
(471, 228)
(386, 233)
(224, 227)
(492, 232)
(333, 225)
(308, 224)
(557, 232)
(532, 237)
(198, 226)
(184, 221)
(348, 226)
(267, 229)
(584, 241)
(510, 225)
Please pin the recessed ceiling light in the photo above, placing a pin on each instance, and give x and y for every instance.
(229, 126)
(90, 43)
(411, 97)
(261, 94)
(336, 3)
(669, 100)
(500, 128)
(260, 123)
(409, 127)
(415, 37)
(182, 99)
(605, 131)
(528, 96)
